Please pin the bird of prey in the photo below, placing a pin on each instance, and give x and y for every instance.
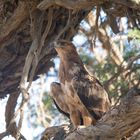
(79, 95)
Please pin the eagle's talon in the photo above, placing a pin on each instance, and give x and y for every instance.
(80, 127)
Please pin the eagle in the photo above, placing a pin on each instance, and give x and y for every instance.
(79, 95)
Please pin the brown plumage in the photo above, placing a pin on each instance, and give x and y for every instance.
(59, 98)
(82, 95)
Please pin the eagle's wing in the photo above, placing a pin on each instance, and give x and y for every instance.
(59, 98)
(92, 95)
(60, 110)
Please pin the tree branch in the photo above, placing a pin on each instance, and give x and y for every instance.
(69, 4)
(122, 70)
(129, 3)
(20, 14)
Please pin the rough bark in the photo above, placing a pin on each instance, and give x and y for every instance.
(121, 121)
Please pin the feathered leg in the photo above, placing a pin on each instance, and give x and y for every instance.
(75, 117)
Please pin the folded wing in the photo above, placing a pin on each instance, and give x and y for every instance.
(92, 95)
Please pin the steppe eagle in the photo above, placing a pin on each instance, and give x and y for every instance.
(79, 95)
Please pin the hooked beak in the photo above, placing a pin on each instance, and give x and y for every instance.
(57, 44)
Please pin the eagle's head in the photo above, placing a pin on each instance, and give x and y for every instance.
(67, 53)
(65, 48)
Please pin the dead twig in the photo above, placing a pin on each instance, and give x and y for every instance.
(11, 128)
(122, 69)
(32, 60)
(4, 134)
(38, 50)
(96, 24)
(65, 28)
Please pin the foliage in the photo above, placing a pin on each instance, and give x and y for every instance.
(135, 33)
